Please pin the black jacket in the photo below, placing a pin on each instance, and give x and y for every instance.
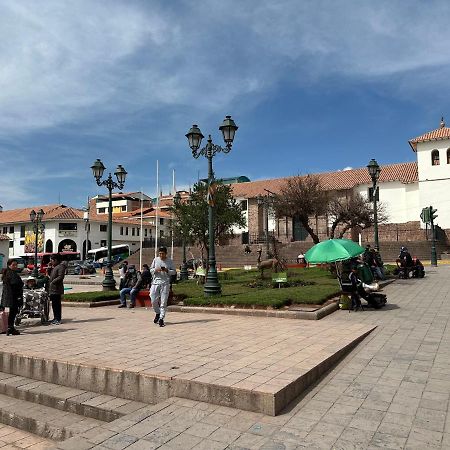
(12, 288)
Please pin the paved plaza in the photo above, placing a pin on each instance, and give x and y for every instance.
(391, 391)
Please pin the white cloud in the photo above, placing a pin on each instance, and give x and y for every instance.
(66, 62)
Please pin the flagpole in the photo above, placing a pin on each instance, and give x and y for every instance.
(157, 207)
(174, 192)
(142, 234)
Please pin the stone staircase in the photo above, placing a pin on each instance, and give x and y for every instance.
(57, 412)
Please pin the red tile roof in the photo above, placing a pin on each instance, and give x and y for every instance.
(341, 180)
(50, 212)
(435, 135)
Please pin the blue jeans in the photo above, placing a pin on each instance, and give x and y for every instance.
(133, 294)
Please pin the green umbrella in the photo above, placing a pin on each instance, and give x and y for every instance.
(333, 250)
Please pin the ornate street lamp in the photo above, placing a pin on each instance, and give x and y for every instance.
(195, 136)
(109, 284)
(184, 275)
(36, 220)
(374, 172)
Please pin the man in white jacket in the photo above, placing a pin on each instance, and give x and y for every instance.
(162, 269)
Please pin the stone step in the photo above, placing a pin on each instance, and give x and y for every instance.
(42, 420)
(77, 401)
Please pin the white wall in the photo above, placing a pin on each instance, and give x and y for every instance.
(400, 200)
(434, 181)
(79, 236)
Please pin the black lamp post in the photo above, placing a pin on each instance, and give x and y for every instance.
(195, 136)
(266, 201)
(36, 220)
(374, 172)
(109, 284)
(184, 275)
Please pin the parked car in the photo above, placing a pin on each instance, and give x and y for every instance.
(79, 267)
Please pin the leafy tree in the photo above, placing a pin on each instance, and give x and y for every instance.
(191, 217)
(302, 197)
(354, 211)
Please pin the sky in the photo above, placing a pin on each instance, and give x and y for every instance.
(314, 86)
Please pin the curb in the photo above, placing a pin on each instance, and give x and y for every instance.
(315, 315)
(91, 304)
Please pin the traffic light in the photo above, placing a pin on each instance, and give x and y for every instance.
(425, 215)
(433, 214)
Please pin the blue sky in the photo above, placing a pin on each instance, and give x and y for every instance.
(314, 85)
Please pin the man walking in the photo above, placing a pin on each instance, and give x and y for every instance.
(162, 269)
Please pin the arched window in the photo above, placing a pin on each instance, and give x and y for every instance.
(448, 156)
(435, 158)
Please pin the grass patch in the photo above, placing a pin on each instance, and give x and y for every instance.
(247, 289)
(91, 296)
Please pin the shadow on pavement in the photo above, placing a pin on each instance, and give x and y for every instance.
(94, 319)
(192, 321)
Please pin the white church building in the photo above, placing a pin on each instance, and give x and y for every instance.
(404, 189)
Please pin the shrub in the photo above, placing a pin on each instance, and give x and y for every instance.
(91, 296)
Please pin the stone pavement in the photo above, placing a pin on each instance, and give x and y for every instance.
(254, 363)
(392, 391)
(13, 439)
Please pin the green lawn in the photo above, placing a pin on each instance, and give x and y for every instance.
(95, 296)
(246, 288)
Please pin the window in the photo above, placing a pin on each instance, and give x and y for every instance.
(137, 231)
(22, 242)
(121, 231)
(11, 244)
(435, 158)
(448, 156)
(244, 205)
(67, 226)
(5, 230)
(146, 232)
(132, 231)
(101, 210)
(103, 228)
(124, 208)
(126, 231)
(161, 221)
(103, 243)
(22, 231)
(11, 229)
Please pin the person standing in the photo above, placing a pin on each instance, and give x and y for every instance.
(12, 295)
(56, 287)
(162, 269)
(122, 272)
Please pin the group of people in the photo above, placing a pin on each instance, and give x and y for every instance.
(13, 286)
(407, 265)
(372, 258)
(157, 276)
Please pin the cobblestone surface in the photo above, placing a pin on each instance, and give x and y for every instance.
(391, 392)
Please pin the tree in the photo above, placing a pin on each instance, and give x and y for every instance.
(350, 212)
(191, 217)
(302, 197)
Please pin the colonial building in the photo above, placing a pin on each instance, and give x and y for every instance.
(404, 189)
(69, 229)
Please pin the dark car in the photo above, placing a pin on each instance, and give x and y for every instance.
(79, 267)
